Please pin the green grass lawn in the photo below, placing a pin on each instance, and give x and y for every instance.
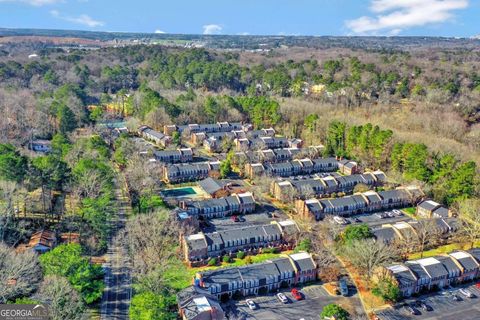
(411, 211)
(443, 249)
(181, 276)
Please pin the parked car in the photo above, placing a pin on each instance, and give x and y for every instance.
(340, 220)
(235, 219)
(412, 310)
(424, 306)
(251, 304)
(478, 285)
(356, 220)
(283, 298)
(378, 215)
(391, 214)
(397, 212)
(456, 298)
(342, 284)
(296, 294)
(467, 293)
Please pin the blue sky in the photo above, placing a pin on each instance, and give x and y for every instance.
(271, 17)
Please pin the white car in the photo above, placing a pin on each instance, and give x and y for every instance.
(397, 212)
(283, 298)
(466, 293)
(251, 304)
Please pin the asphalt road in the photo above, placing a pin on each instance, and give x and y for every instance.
(117, 293)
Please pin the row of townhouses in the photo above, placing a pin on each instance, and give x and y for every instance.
(369, 201)
(285, 190)
(409, 231)
(296, 167)
(262, 143)
(208, 128)
(433, 273)
(278, 155)
(214, 208)
(202, 246)
(174, 156)
(159, 138)
(258, 278)
(181, 172)
(213, 141)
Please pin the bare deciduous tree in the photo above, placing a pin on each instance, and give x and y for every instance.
(152, 240)
(62, 299)
(368, 254)
(470, 216)
(20, 273)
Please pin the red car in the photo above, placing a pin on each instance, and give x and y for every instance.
(478, 285)
(235, 219)
(296, 294)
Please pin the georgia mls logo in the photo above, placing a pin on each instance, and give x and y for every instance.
(23, 312)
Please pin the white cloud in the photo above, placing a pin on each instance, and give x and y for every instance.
(212, 29)
(394, 16)
(243, 33)
(82, 19)
(159, 31)
(36, 3)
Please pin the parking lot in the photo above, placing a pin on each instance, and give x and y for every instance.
(377, 219)
(270, 308)
(263, 216)
(444, 307)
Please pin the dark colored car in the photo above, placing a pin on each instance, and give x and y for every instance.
(297, 295)
(456, 298)
(412, 310)
(424, 306)
(356, 220)
(342, 284)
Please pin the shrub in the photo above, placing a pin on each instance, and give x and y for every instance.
(248, 260)
(240, 255)
(226, 259)
(212, 262)
(387, 290)
(269, 250)
(333, 310)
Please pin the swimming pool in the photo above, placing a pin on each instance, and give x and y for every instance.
(179, 192)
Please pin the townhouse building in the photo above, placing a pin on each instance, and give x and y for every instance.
(174, 156)
(197, 304)
(202, 246)
(265, 142)
(295, 167)
(348, 167)
(321, 186)
(258, 278)
(430, 209)
(278, 155)
(402, 232)
(432, 273)
(207, 128)
(214, 208)
(358, 203)
(159, 138)
(181, 172)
